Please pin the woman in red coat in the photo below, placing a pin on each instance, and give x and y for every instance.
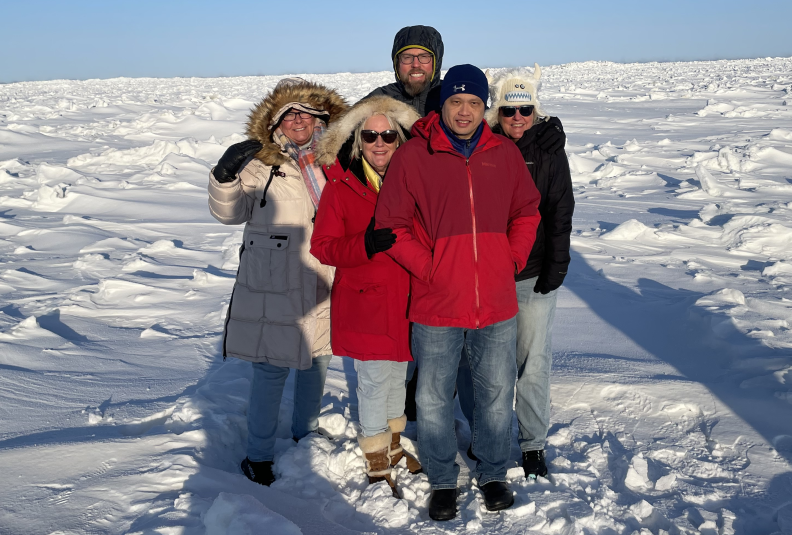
(368, 303)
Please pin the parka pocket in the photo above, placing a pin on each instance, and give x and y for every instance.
(362, 307)
(264, 266)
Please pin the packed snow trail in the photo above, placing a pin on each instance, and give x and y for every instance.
(672, 378)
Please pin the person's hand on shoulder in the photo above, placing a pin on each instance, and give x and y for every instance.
(230, 163)
(551, 137)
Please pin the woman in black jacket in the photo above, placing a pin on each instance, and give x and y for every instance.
(514, 113)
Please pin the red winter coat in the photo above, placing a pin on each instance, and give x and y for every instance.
(368, 302)
(464, 227)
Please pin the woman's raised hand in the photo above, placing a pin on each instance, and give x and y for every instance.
(229, 164)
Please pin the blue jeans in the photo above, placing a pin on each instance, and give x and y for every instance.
(534, 357)
(491, 352)
(381, 391)
(266, 391)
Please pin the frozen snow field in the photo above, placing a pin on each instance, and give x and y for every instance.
(672, 379)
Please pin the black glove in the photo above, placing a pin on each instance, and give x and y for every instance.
(549, 281)
(230, 162)
(378, 240)
(551, 137)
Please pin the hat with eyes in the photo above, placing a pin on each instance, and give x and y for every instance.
(516, 87)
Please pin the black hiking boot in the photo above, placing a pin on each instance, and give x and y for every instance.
(534, 464)
(497, 496)
(442, 504)
(260, 473)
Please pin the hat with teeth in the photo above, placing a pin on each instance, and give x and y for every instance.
(516, 87)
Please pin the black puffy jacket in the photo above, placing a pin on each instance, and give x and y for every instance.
(549, 257)
(424, 37)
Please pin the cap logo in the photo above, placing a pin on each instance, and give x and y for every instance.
(518, 96)
(459, 88)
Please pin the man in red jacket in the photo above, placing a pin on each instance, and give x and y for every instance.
(465, 211)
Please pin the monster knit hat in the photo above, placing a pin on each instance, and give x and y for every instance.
(516, 87)
(464, 79)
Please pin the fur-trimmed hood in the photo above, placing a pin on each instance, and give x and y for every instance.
(338, 134)
(514, 87)
(311, 95)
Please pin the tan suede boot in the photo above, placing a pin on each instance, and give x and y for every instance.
(376, 450)
(397, 426)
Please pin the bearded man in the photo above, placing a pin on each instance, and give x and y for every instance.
(417, 59)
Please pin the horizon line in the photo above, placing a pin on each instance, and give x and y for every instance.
(636, 62)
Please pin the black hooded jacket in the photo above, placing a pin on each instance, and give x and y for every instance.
(422, 37)
(549, 257)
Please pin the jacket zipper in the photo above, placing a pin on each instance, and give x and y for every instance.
(475, 244)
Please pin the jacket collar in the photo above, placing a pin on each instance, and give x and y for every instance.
(465, 147)
(525, 141)
(353, 177)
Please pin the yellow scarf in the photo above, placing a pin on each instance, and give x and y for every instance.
(371, 175)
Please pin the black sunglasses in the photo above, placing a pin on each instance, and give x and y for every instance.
(509, 111)
(370, 136)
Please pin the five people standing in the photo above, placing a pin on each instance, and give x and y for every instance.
(425, 257)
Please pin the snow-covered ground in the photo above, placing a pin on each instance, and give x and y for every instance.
(672, 381)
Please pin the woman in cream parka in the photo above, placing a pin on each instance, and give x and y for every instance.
(279, 314)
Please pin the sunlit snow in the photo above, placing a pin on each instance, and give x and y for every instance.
(672, 379)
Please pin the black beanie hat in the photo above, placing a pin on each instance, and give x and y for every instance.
(464, 79)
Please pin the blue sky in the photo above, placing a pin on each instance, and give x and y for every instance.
(79, 39)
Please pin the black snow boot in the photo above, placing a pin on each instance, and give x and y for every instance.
(442, 504)
(497, 496)
(260, 472)
(534, 464)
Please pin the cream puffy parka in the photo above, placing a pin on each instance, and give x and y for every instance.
(280, 306)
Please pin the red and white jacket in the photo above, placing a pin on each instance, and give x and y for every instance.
(464, 227)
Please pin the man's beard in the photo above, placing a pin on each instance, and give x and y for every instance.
(415, 88)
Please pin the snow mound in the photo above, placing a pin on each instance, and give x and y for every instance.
(759, 235)
(778, 268)
(726, 296)
(377, 502)
(242, 514)
(629, 230)
(780, 134)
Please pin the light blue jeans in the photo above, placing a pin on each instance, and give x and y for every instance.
(266, 392)
(492, 360)
(381, 391)
(534, 357)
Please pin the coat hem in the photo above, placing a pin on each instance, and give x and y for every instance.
(366, 357)
(437, 321)
(281, 363)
